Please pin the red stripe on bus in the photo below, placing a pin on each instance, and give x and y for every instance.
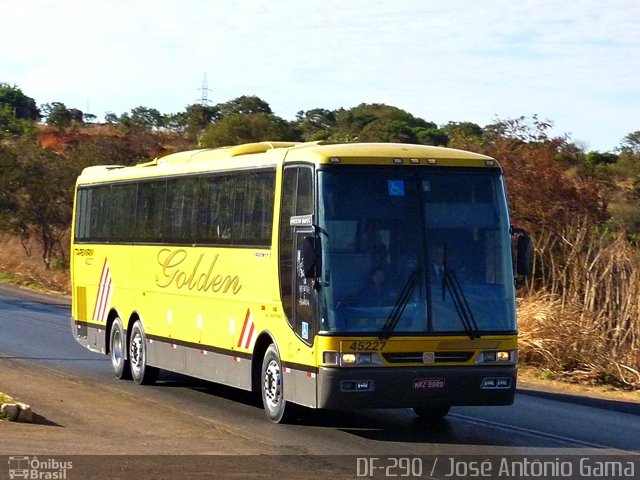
(244, 327)
(96, 308)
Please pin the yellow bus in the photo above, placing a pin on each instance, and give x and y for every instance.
(328, 275)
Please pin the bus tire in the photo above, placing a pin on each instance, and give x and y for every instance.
(142, 373)
(117, 350)
(432, 414)
(271, 381)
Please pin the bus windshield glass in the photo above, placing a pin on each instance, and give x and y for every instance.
(414, 251)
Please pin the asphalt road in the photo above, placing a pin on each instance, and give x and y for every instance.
(34, 330)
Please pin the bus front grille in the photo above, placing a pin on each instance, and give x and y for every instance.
(417, 357)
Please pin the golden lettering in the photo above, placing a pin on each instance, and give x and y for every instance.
(200, 278)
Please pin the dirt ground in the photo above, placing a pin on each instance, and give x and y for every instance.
(108, 434)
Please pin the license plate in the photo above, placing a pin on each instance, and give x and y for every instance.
(428, 383)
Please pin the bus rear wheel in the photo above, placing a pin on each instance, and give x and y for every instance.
(117, 349)
(432, 414)
(275, 406)
(142, 373)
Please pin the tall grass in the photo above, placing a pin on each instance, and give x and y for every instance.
(580, 316)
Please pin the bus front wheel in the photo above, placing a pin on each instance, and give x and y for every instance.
(275, 406)
(117, 349)
(142, 373)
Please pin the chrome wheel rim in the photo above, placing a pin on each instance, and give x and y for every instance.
(137, 353)
(272, 384)
(116, 349)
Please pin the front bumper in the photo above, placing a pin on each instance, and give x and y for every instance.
(408, 387)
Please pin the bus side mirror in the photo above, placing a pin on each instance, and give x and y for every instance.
(310, 258)
(523, 254)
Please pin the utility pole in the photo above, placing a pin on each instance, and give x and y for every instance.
(204, 91)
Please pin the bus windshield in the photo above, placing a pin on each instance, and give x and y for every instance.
(414, 251)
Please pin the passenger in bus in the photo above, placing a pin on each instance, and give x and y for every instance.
(377, 292)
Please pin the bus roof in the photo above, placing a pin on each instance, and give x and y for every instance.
(265, 154)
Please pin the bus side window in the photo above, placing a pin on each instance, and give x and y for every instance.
(150, 211)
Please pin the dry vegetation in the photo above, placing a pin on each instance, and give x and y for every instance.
(581, 317)
(22, 265)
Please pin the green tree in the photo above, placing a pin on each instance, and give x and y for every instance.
(385, 130)
(245, 105)
(631, 143)
(21, 106)
(10, 126)
(37, 196)
(601, 158)
(143, 118)
(58, 115)
(316, 124)
(350, 124)
(464, 135)
(17, 113)
(431, 136)
(197, 117)
(89, 118)
(110, 118)
(236, 129)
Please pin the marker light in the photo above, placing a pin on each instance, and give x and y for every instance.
(330, 358)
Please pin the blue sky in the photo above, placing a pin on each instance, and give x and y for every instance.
(576, 63)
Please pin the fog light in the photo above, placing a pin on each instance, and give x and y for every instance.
(362, 385)
(503, 382)
(489, 383)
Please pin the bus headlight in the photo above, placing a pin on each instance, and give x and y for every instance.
(351, 359)
(360, 359)
(497, 357)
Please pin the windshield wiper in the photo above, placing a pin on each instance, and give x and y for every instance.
(465, 313)
(401, 304)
